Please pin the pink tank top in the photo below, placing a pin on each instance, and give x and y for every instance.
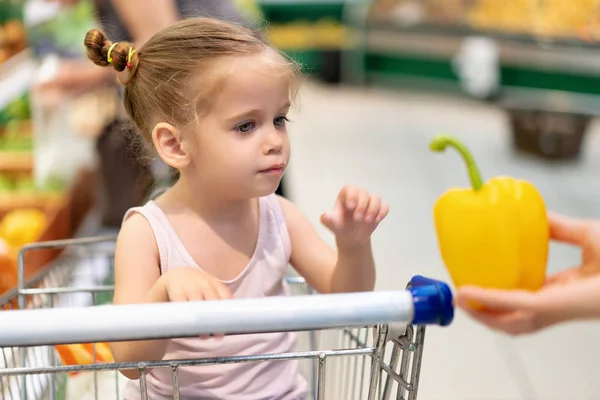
(263, 276)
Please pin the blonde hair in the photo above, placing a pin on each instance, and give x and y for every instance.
(169, 75)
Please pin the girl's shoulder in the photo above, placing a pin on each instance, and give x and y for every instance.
(152, 225)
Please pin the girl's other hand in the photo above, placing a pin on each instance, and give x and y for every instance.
(192, 284)
(355, 215)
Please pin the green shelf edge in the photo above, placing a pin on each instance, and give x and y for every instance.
(408, 65)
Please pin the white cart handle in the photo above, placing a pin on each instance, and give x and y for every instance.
(422, 304)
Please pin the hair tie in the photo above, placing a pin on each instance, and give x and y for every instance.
(131, 51)
(110, 51)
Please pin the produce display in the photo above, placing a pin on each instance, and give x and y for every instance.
(17, 188)
(15, 127)
(22, 226)
(549, 18)
(13, 35)
(555, 18)
(17, 228)
(8, 268)
(58, 34)
(494, 234)
(323, 34)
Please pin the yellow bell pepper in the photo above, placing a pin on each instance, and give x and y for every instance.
(493, 235)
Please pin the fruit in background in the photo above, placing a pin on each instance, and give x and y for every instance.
(82, 354)
(17, 144)
(4, 55)
(25, 185)
(8, 268)
(22, 226)
(17, 136)
(54, 185)
(19, 109)
(557, 18)
(4, 248)
(6, 184)
(14, 35)
(302, 35)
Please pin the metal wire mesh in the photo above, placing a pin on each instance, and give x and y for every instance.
(373, 362)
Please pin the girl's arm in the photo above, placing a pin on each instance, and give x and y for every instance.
(350, 269)
(137, 280)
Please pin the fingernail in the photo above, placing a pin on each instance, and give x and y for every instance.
(369, 218)
(378, 219)
(358, 216)
(351, 204)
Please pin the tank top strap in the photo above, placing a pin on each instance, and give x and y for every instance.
(161, 228)
(280, 226)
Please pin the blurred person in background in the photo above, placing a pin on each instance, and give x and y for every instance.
(127, 181)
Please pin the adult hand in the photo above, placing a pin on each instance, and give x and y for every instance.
(570, 294)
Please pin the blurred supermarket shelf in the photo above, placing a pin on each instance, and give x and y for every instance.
(39, 11)
(306, 2)
(20, 161)
(573, 56)
(16, 76)
(17, 73)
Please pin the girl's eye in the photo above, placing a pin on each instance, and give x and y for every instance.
(245, 127)
(280, 121)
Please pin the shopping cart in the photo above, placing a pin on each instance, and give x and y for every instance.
(350, 346)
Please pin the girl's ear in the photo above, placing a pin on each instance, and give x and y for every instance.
(169, 145)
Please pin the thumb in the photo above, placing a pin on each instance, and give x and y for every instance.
(494, 299)
(333, 219)
(328, 220)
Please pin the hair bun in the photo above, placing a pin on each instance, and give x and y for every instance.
(122, 54)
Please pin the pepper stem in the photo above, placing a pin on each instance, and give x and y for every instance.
(439, 144)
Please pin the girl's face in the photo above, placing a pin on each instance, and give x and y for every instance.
(241, 145)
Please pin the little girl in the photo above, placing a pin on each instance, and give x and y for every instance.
(212, 98)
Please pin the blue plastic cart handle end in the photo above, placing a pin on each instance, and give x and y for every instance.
(433, 302)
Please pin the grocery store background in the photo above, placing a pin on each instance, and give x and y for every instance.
(517, 81)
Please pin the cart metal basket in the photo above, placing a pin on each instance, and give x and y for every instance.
(350, 346)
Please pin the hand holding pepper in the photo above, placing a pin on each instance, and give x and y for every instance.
(568, 295)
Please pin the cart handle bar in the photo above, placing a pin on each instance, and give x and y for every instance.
(424, 304)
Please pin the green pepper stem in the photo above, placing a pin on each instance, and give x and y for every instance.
(439, 144)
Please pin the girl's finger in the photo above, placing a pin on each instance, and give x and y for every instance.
(362, 204)
(193, 293)
(209, 293)
(383, 212)
(222, 291)
(348, 197)
(373, 209)
(177, 295)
